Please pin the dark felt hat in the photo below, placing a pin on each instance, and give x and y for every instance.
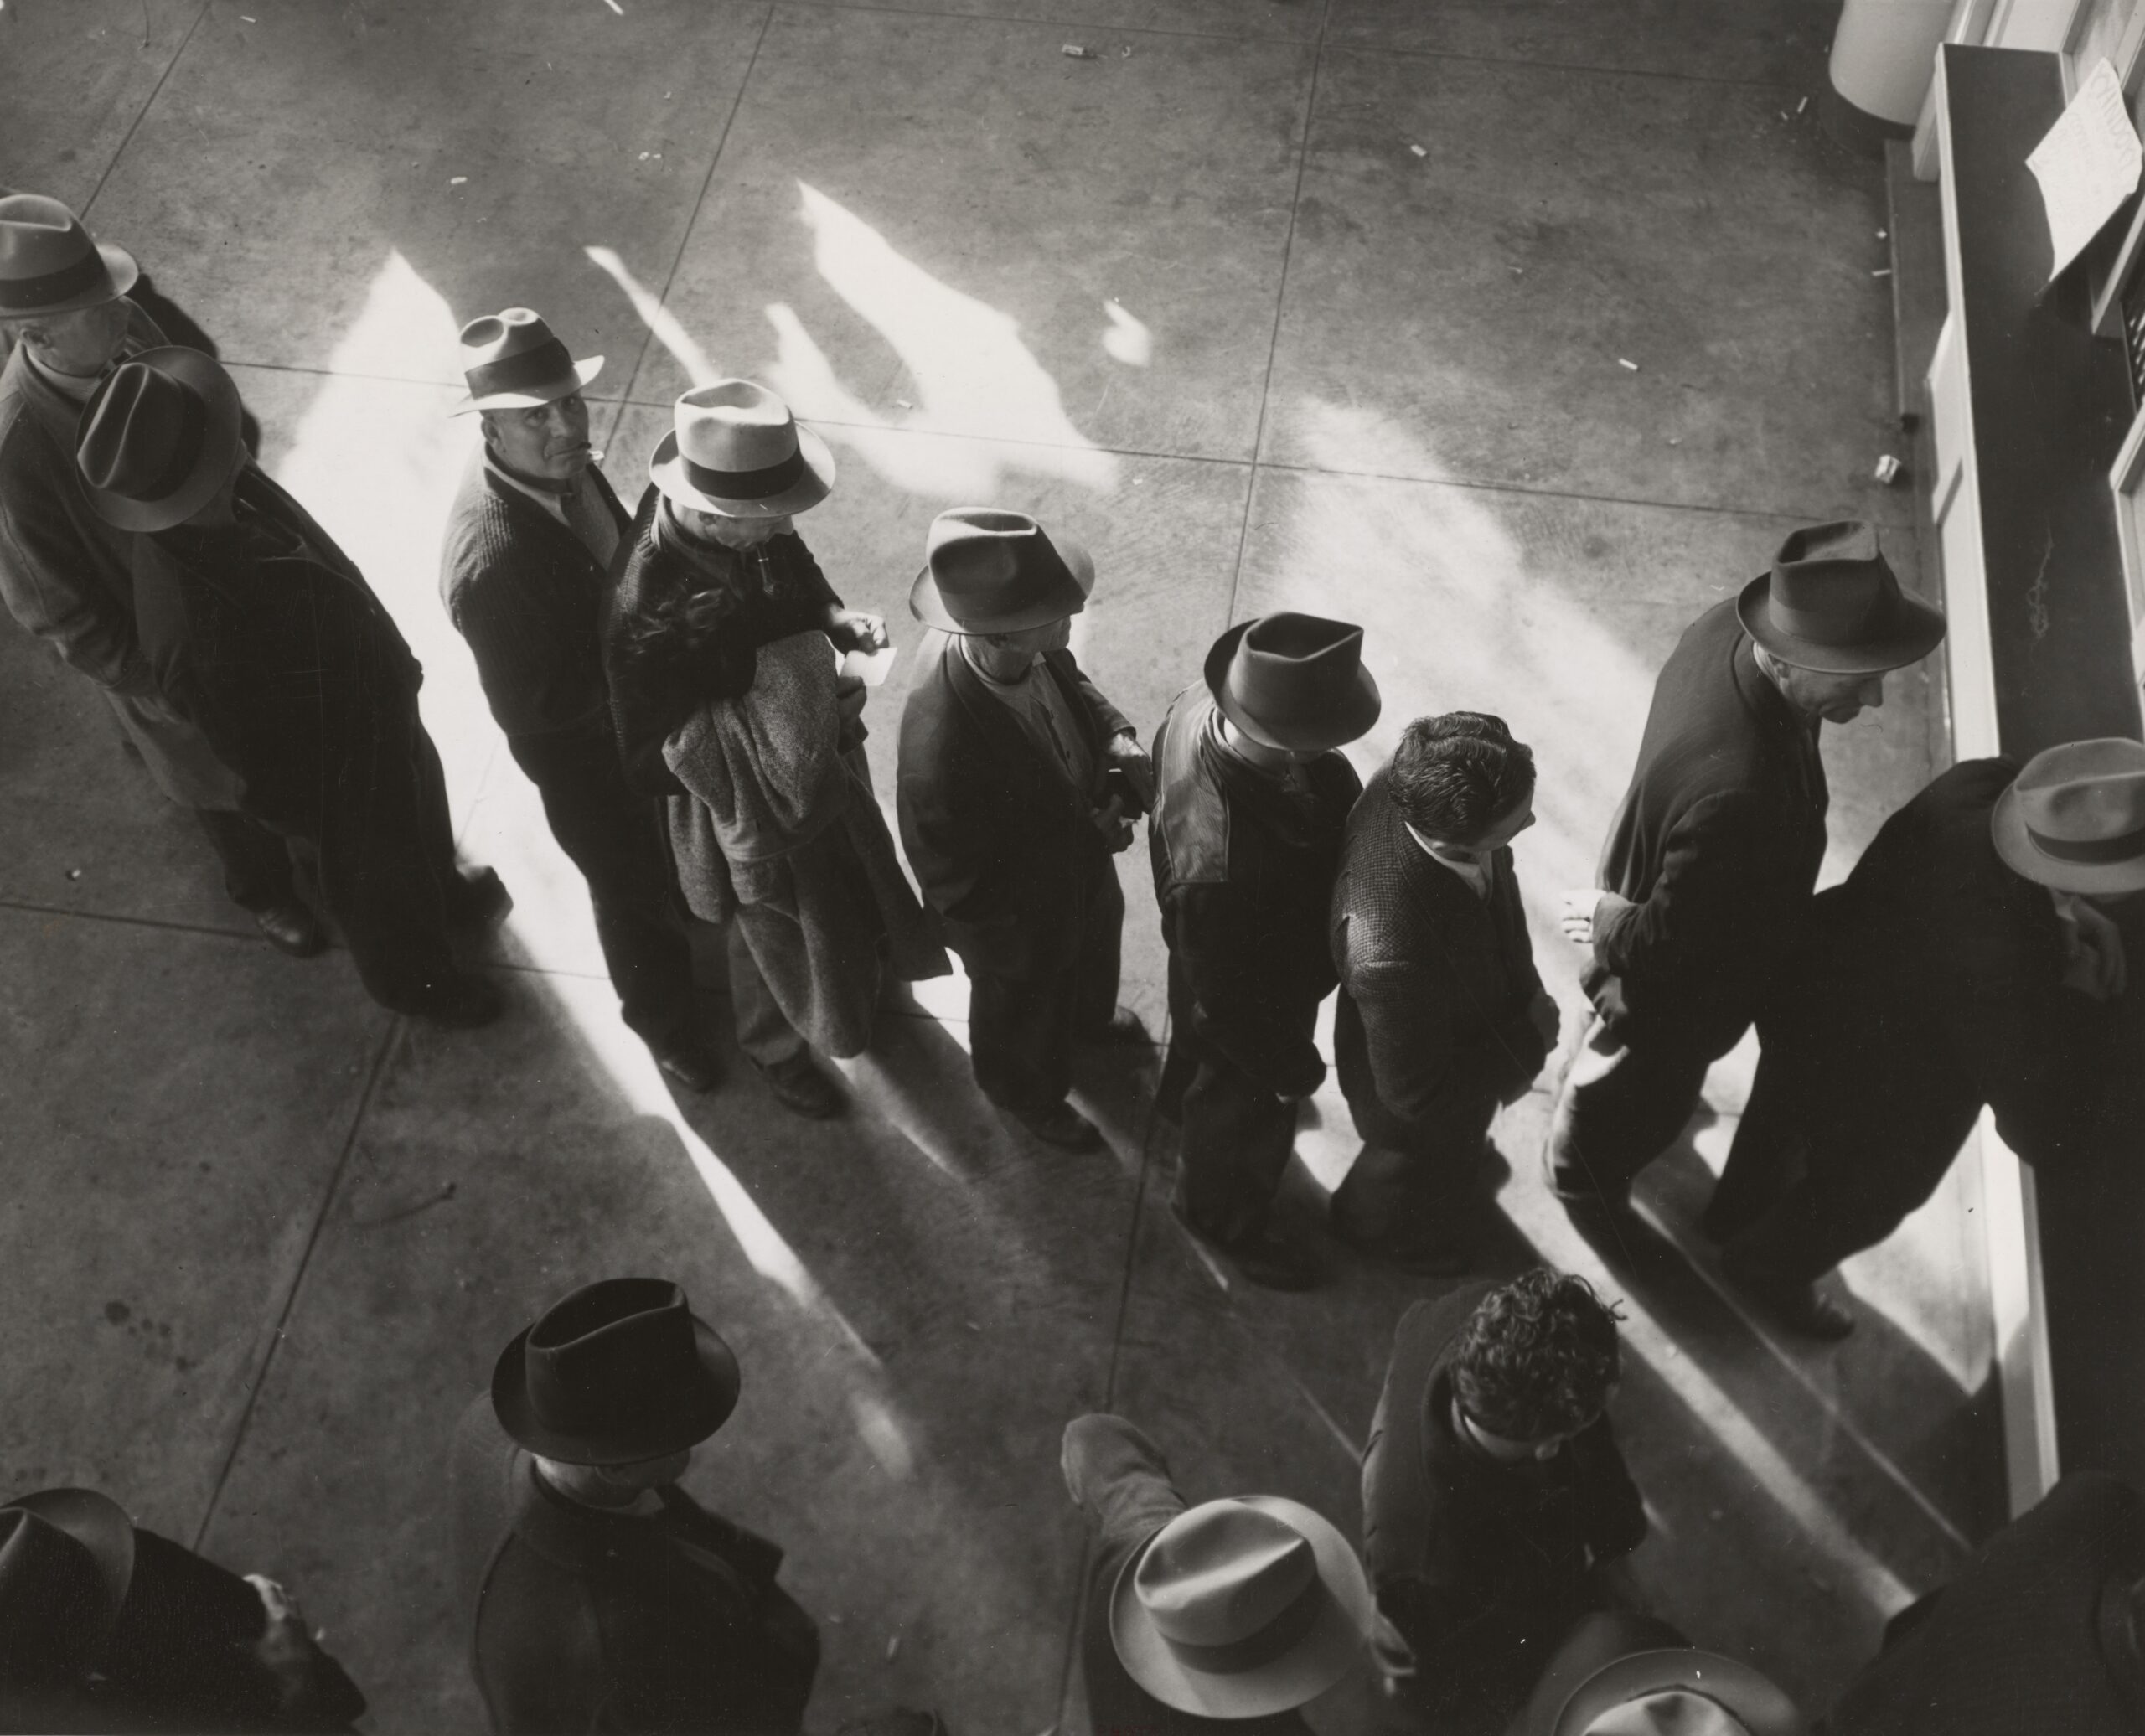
(49, 264)
(986, 570)
(511, 360)
(1294, 681)
(66, 1559)
(158, 438)
(1832, 603)
(618, 1372)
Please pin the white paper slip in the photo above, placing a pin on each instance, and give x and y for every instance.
(2087, 166)
(868, 667)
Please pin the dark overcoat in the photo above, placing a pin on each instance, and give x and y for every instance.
(999, 841)
(1437, 983)
(583, 1621)
(1717, 844)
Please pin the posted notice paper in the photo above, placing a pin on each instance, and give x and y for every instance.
(2087, 166)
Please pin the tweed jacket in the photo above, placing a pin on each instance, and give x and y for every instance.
(1469, 1554)
(531, 599)
(67, 575)
(1933, 985)
(755, 597)
(1444, 980)
(1717, 844)
(2012, 1644)
(1244, 874)
(276, 647)
(583, 1621)
(999, 840)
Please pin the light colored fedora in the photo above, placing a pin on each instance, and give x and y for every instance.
(49, 264)
(511, 360)
(1832, 603)
(735, 449)
(1241, 1609)
(158, 438)
(985, 570)
(2075, 818)
(1685, 1690)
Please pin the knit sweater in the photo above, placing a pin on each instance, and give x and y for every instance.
(529, 598)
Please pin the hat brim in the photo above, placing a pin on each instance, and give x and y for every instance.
(549, 393)
(666, 469)
(689, 1413)
(101, 1526)
(1749, 1695)
(223, 446)
(121, 275)
(1327, 1650)
(1066, 598)
(1350, 722)
(1915, 629)
(2015, 845)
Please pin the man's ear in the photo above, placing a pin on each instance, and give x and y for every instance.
(485, 423)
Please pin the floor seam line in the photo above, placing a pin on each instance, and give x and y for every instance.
(1385, 50)
(29, 908)
(328, 1198)
(1000, 18)
(699, 203)
(135, 126)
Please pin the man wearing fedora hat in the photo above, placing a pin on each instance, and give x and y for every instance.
(107, 1626)
(1963, 963)
(65, 573)
(714, 572)
(1442, 1016)
(262, 632)
(526, 573)
(1618, 1674)
(1251, 799)
(1007, 810)
(602, 1596)
(1235, 1611)
(1706, 876)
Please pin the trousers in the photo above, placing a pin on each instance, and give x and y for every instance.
(613, 835)
(1021, 1030)
(1631, 1090)
(256, 861)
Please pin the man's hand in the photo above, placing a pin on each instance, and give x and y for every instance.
(849, 697)
(1584, 909)
(853, 630)
(1110, 819)
(2099, 969)
(1127, 755)
(1543, 1012)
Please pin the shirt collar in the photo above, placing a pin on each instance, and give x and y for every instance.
(552, 500)
(1476, 874)
(80, 387)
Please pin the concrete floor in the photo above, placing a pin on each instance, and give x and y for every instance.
(1319, 303)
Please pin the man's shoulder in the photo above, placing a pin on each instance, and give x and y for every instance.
(1192, 811)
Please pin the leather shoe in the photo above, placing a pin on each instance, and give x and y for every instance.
(691, 1062)
(473, 900)
(292, 928)
(1267, 1259)
(463, 1003)
(1061, 1125)
(1125, 1031)
(801, 1087)
(1802, 1307)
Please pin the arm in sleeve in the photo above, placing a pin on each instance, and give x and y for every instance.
(1725, 907)
(1118, 1477)
(1616, 1522)
(44, 575)
(946, 832)
(513, 664)
(1111, 721)
(1416, 1056)
(1215, 946)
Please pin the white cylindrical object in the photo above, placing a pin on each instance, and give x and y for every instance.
(1885, 55)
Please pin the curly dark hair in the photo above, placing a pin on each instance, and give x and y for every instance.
(1537, 1357)
(1454, 776)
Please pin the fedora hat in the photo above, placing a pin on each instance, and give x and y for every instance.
(1294, 681)
(2075, 818)
(158, 438)
(1685, 1691)
(511, 361)
(49, 264)
(1239, 1609)
(1832, 603)
(989, 571)
(735, 449)
(66, 1559)
(618, 1372)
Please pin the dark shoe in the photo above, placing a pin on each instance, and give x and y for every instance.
(1061, 1125)
(1571, 1183)
(1801, 1308)
(463, 1003)
(1268, 1258)
(292, 928)
(1124, 1031)
(690, 1062)
(801, 1088)
(473, 900)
